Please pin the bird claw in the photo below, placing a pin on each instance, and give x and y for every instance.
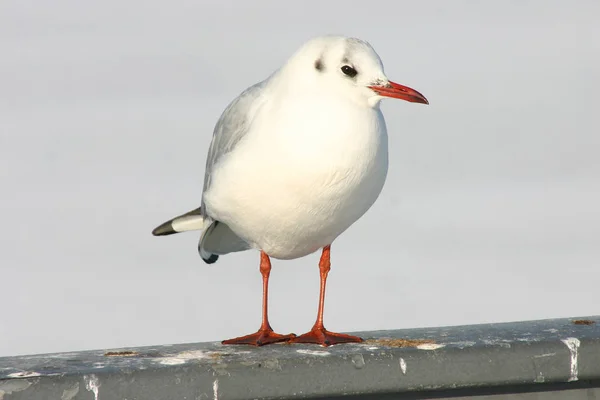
(260, 338)
(320, 335)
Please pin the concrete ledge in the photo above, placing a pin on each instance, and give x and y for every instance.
(533, 359)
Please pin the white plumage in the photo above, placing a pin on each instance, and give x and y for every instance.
(297, 158)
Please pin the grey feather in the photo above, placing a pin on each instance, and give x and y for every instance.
(230, 129)
(167, 228)
(220, 239)
(232, 126)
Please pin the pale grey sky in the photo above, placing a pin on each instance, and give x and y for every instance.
(490, 211)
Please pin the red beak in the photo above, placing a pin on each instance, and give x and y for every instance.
(398, 91)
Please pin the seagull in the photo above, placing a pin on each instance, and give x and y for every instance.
(294, 161)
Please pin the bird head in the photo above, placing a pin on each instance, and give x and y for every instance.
(346, 67)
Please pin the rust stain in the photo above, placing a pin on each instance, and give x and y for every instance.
(121, 353)
(399, 342)
(583, 322)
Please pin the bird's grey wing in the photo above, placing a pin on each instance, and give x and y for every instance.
(232, 126)
(217, 238)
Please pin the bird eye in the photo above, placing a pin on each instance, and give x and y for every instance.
(349, 71)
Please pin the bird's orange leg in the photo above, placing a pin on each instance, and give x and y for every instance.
(265, 334)
(318, 334)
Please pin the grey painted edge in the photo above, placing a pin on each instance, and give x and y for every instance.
(510, 355)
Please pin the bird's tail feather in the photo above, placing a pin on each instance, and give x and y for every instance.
(190, 221)
(216, 237)
(219, 239)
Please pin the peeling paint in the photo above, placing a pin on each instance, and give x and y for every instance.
(402, 366)
(127, 353)
(544, 355)
(496, 342)
(173, 361)
(573, 345)
(12, 386)
(92, 384)
(358, 360)
(211, 365)
(430, 346)
(220, 369)
(527, 339)
(463, 344)
(70, 393)
(391, 342)
(24, 374)
(72, 354)
(540, 378)
(216, 389)
(185, 356)
(272, 363)
(583, 322)
(314, 352)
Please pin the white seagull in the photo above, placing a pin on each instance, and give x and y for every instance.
(294, 161)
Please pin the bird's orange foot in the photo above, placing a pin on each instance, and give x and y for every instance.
(260, 338)
(320, 335)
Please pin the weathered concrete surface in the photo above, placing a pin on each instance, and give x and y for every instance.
(534, 358)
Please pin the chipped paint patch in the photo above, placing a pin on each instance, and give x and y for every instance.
(92, 384)
(121, 353)
(527, 339)
(271, 363)
(402, 366)
(388, 342)
(216, 389)
(314, 352)
(185, 356)
(463, 344)
(544, 355)
(220, 369)
(583, 322)
(500, 343)
(540, 378)
(12, 386)
(70, 393)
(196, 354)
(73, 354)
(573, 345)
(238, 352)
(24, 374)
(358, 360)
(430, 346)
(173, 361)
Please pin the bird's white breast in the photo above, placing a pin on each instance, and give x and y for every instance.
(297, 182)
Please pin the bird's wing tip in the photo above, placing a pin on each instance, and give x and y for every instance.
(164, 229)
(211, 259)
